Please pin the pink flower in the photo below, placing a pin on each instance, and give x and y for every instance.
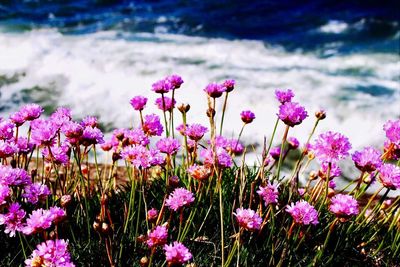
(175, 81)
(138, 102)
(36, 192)
(157, 237)
(38, 221)
(303, 213)
(91, 136)
(275, 152)
(389, 176)
(229, 85)
(152, 125)
(89, 121)
(5, 193)
(50, 253)
(13, 219)
(59, 154)
(222, 159)
(234, 147)
(331, 147)
(179, 198)
(343, 206)
(162, 86)
(24, 147)
(284, 96)
(335, 170)
(269, 193)
(72, 129)
(13, 177)
(165, 105)
(61, 116)
(392, 129)
(152, 215)
(195, 131)
(214, 90)
(168, 145)
(247, 116)
(293, 142)
(177, 254)
(18, 118)
(31, 112)
(6, 129)
(136, 137)
(7, 148)
(368, 159)
(199, 172)
(248, 219)
(292, 113)
(43, 132)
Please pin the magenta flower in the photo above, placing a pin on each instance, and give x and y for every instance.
(92, 136)
(303, 213)
(195, 131)
(38, 221)
(181, 128)
(219, 141)
(392, 129)
(13, 219)
(17, 118)
(59, 154)
(268, 193)
(156, 158)
(23, 146)
(165, 105)
(335, 170)
(175, 80)
(179, 198)
(247, 116)
(229, 85)
(5, 193)
(368, 159)
(293, 142)
(343, 206)
(31, 112)
(275, 152)
(137, 137)
(138, 102)
(389, 176)
(152, 214)
(152, 125)
(234, 147)
(168, 145)
(284, 96)
(61, 116)
(89, 121)
(43, 132)
(177, 254)
(214, 90)
(157, 237)
(137, 155)
(291, 113)
(57, 214)
(72, 129)
(36, 192)
(50, 253)
(7, 148)
(331, 147)
(248, 219)
(13, 177)
(199, 172)
(222, 159)
(6, 129)
(162, 86)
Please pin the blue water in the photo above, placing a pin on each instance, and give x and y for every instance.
(371, 25)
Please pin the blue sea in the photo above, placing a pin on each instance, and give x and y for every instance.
(93, 56)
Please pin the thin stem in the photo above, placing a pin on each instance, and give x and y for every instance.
(223, 113)
(282, 147)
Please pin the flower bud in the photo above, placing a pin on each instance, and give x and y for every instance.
(65, 200)
(96, 226)
(313, 175)
(173, 181)
(210, 113)
(184, 108)
(320, 114)
(144, 262)
(105, 228)
(141, 238)
(331, 192)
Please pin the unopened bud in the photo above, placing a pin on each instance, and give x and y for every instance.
(116, 156)
(367, 179)
(331, 192)
(65, 200)
(144, 262)
(320, 114)
(152, 215)
(313, 175)
(105, 228)
(173, 181)
(184, 108)
(210, 113)
(141, 238)
(96, 226)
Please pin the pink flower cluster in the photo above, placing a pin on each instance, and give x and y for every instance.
(268, 193)
(331, 147)
(177, 253)
(179, 198)
(157, 237)
(303, 213)
(343, 206)
(50, 253)
(248, 219)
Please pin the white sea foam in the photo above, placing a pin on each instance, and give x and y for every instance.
(334, 26)
(98, 74)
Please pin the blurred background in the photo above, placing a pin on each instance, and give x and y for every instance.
(93, 56)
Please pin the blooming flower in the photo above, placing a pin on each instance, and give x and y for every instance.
(247, 116)
(92, 136)
(31, 112)
(222, 158)
(5, 193)
(165, 103)
(161, 86)
(17, 118)
(303, 213)
(72, 129)
(23, 146)
(38, 221)
(214, 90)
(248, 219)
(36, 192)
(6, 129)
(391, 150)
(13, 219)
(137, 137)
(43, 132)
(268, 193)
(331, 147)
(229, 85)
(168, 145)
(291, 113)
(392, 129)
(52, 253)
(175, 80)
(195, 131)
(284, 96)
(89, 121)
(58, 155)
(152, 214)
(368, 159)
(7, 148)
(335, 170)
(137, 155)
(343, 206)
(179, 198)
(13, 176)
(389, 176)
(199, 172)
(152, 125)
(275, 152)
(293, 142)
(177, 254)
(61, 116)
(157, 237)
(234, 147)
(138, 102)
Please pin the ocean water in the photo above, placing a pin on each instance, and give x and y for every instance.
(93, 56)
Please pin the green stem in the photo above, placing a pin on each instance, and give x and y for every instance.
(282, 147)
(223, 112)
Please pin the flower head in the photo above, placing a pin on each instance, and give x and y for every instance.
(368, 159)
(165, 103)
(36, 192)
(293, 142)
(138, 102)
(234, 146)
(177, 253)
(331, 147)
(157, 237)
(162, 86)
(152, 125)
(168, 145)
(214, 90)
(50, 253)
(92, 136)
(275, 152)
(58, 155)
(303, 213)
(247, 116)
(43, 132)
(61, 116)
(284, 96)
(392, 129)
(31, 112)
(343, 206)
(222, 159)
(7, 148)
(248, 219)
(291, 113)
(13, 219)
(6, 129)
(229, 85)
(175, 80)
(268, 193)
(179, 198)
(199, 172)
(195, 131)
(389, 176)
